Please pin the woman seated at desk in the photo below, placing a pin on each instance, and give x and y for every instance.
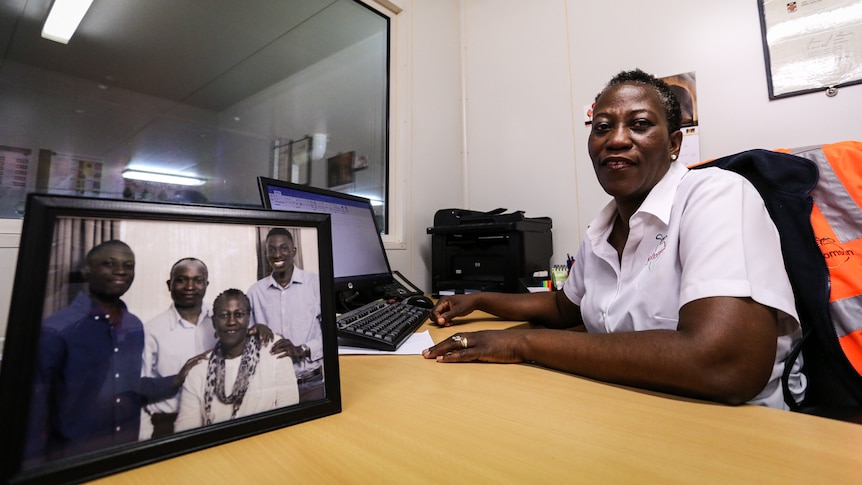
(679, 284)
(241, 377)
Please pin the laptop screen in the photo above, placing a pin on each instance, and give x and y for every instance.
(358, 257)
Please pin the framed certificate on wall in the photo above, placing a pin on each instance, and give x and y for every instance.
(811, 45)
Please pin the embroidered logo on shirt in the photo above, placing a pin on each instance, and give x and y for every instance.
(659, 249)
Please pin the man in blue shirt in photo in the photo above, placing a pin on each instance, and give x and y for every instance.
(88, 391)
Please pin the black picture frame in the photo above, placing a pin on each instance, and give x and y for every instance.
(45, 214)
(339, 169)
(300, 161)
(822, 56)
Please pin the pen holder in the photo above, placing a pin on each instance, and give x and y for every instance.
(558, 276)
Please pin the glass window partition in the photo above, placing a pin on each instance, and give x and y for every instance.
(182, 102)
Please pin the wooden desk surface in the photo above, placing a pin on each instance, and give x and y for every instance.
(410, 420)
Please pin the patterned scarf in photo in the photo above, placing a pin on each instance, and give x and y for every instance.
(216, 377)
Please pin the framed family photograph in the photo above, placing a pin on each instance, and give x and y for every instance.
(139, 331)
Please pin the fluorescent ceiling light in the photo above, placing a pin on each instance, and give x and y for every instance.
(63, 19)
(165, 178)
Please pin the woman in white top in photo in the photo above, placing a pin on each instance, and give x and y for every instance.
(241, 377)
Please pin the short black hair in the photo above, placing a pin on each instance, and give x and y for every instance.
(188, 260)
(671, 104)
(279, 231)
(111, 242)
(231, 293)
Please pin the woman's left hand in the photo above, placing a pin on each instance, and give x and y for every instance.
(498, 346)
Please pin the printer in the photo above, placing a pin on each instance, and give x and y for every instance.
(487, 251)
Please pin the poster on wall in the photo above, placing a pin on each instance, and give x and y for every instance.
(75, 175)
(14, 166)
(684, 88)
(811, 45)
(15, 173)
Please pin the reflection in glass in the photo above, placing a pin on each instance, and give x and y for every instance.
(167, 87)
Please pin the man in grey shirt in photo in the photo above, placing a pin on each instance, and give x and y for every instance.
(288, 302)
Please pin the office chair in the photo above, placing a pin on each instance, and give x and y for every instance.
(786, 183)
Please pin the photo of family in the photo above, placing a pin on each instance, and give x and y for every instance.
(152, 327)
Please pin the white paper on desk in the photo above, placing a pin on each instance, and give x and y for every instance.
(414, 345)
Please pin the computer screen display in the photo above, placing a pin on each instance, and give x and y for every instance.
(358, 257)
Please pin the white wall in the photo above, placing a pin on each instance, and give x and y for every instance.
(428, 137)
(520, 112)
(520, 120)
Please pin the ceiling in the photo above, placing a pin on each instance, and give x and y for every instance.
(207, 54)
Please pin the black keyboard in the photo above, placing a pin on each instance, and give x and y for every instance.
(380, 325)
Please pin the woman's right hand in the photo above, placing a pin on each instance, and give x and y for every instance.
(449, 307)
(499, 346)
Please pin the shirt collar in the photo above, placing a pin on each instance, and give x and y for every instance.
(294, 279)
(98, 312)
(178, 320)
(658, 202)
(660, 199)
(94, 308)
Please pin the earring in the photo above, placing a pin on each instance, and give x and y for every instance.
(673, 156)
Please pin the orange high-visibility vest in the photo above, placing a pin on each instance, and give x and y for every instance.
(837, 222)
